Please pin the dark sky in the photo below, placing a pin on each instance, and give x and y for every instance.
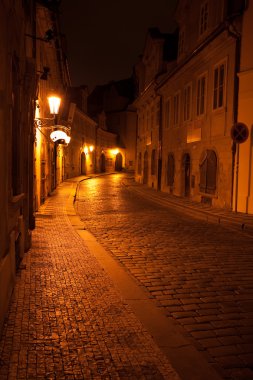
(105, 37)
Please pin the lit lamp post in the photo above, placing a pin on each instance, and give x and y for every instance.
(60, 133)
(54, 104)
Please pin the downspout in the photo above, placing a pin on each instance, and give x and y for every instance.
(235, 147)
(160, 142)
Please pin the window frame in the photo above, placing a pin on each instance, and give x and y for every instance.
(167, 113)
(187, 102)
(181, 42)
(216, 90)
(203, 17)
(176, 107)
(201, 96)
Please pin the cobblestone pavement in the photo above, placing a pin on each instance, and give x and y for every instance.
(200, 273)
(66, 319)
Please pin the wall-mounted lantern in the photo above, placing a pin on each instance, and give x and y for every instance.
(60, 133)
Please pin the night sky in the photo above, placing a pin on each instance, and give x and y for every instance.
(105, 37)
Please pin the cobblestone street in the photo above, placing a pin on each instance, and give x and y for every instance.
(66, 319)
(199, 273)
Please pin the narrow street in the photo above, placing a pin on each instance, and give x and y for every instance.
(66, 318)
(198, 273)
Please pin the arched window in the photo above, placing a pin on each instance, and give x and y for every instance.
(153, 162)
(170, 170)
(208, 170)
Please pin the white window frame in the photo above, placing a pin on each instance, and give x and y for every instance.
(219, 87)
(201, 95)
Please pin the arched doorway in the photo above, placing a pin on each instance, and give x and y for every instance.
(83, 163)
(145, 171)
(186, 174)
(118, 162)
(102, 163)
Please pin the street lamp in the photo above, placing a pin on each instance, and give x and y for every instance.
(60, 133)
(54, 104)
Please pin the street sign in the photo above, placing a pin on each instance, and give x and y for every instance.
(239, 133)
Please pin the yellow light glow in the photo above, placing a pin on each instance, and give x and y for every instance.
(54, 104)
(91, 147)
(86, 150)
(115, 151)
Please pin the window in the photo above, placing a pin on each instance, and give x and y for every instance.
(219, 86)
(208, 169)
(203, 18)
(187, 102)
(201, 95)
(176, 100)
(153, 162)
(170, 170)
(181, 40)
(167, 113)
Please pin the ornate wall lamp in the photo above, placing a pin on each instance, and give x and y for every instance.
(59, 133)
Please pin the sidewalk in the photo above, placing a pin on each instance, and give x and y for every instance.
(239, 221)
(66, 319)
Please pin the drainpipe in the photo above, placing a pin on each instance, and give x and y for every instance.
(160, 141)
(235, 147)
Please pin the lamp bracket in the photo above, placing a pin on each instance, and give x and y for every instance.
(41, 122)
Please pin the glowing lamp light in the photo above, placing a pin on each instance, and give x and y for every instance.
(54, 104)
(86, 150)
(115, 151)
(91, 147)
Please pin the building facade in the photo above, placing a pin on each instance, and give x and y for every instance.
(243, 183)
(198, 106)
(158, 56)
(114, 101)
(17, 94)
(52, 79)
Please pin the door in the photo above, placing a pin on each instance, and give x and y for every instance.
(186, 174)
(145, 170)
(118, 162)
(102, 163)
(83, 163)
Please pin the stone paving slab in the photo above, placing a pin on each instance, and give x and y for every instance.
(199, 273)
(66, 319)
